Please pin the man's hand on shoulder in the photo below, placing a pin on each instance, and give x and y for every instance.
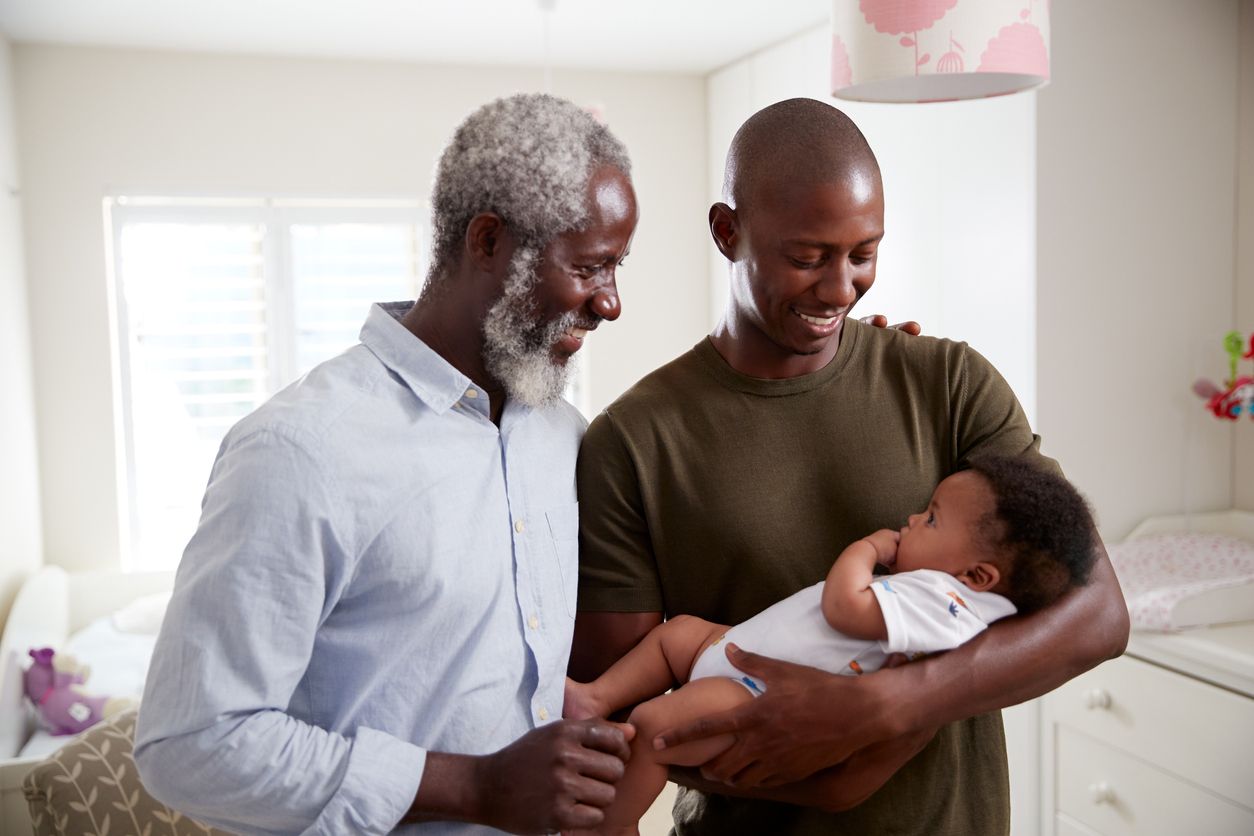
(911, 327)
(558, 777)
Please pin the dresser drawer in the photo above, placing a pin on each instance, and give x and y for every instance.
(1064, 825)
(1117, 794)
(1189, 728)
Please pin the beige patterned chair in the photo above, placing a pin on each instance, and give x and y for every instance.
(91, 786)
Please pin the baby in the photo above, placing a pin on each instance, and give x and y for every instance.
(1000, 538)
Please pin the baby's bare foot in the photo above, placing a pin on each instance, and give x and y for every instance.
(580, 702)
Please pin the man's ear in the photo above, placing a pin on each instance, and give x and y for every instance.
(487, 240)
(981, 576)
(725, 229)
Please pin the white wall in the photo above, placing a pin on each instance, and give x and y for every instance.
(20, 546)
(93, 120)
(1243, 461)
(1137, 165)
(959, 181)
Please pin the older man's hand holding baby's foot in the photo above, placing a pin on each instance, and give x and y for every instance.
(885, 542)
(558, 777)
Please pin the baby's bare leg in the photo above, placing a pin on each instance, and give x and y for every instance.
(661, 659)
(646, 771)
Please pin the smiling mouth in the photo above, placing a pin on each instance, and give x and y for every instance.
(570, 341)
(817, 320)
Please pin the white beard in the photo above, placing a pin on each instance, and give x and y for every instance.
(517, 350)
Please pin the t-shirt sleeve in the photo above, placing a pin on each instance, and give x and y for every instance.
(987, 417)
(617, 569)
(925, 612)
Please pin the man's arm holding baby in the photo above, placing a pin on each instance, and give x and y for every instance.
(602, 637)
(835, 789)
(850, 607)
(794, 730)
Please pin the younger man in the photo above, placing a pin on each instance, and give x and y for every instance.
(723, 481)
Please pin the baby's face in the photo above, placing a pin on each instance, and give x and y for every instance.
(944, 535)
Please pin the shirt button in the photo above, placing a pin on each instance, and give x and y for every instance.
(519, 527)
(533, 622)
(472, 393)
(543, 713)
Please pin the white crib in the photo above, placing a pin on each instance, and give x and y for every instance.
(50, 607)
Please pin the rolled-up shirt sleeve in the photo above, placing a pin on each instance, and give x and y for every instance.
(217, 738)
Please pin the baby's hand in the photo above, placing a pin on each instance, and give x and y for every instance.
(885, 543)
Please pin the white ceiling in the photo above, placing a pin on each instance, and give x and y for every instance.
(665, 35)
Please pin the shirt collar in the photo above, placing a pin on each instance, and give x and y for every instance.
(428, 375)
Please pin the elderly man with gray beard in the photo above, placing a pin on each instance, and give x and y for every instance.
(370, 627)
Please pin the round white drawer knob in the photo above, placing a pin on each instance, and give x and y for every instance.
(1097, 698)
(1101, 793)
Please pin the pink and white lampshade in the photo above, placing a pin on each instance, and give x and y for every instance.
(938, 50)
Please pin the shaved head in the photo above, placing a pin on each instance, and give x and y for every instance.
(797, 142)
(800, 224)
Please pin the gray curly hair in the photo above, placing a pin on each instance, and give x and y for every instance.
(528, 158)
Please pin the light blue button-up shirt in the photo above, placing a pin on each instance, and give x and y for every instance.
(379, 571)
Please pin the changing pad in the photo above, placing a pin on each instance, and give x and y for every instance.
(1173, 581)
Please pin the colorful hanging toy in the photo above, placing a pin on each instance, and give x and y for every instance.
(1236, 397)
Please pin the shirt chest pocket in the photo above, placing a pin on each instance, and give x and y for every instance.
(563, 523)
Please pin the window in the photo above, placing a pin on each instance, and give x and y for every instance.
(219, 304)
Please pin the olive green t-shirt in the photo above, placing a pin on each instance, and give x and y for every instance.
(707, 492)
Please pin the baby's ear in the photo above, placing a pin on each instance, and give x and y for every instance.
(981, 576)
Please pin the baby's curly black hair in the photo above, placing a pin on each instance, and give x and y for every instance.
(1041, 526)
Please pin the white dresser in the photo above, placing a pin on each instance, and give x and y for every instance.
(1160, 741)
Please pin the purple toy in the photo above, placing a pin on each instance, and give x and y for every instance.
(62, 706)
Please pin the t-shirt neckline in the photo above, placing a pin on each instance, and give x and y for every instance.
(722, 371)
